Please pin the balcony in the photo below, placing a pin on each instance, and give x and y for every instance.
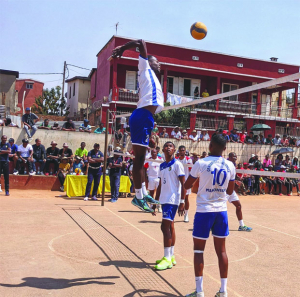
(124, 95)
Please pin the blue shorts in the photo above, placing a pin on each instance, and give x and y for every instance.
(169, 211)
(217, 222)
(141, 124)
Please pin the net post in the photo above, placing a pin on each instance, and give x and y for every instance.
(105, 157)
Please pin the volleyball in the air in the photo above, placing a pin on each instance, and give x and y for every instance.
(198, 30)
(77, 171)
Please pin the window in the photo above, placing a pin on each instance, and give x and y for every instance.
(131, 82)
(74, 89)
(239, 124)
(70, 93)
(170, 84)
(187, 87)
(230, 87)
(29, 86)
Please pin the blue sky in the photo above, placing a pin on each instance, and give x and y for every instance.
(38, 36)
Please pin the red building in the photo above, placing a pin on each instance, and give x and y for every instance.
(184, 69)
(32, 89)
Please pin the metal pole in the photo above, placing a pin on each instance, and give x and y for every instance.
(63, 87)
(87, 105)
(105, 157)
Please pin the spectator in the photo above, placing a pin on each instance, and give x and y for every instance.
(287, 162)
(164, 133)
(216, 132)
(85, 127)
(194, 157)
(284, 141)
(278, 162)
(78, 164)
(110, 149)
(250, 138)
(298, 143)
(196, 93)
(13, 156)
(66, 152)
(262, 139)
(45, 125)
(25, 152)
(101, 129)
(295, 162)
(39, 155)
(283, 181)
(225, 135)
(267, 161)
(118, 136)
(155, 128)
(257, 166)
(293, 181)
(63, 170)
(29, 119)
(194, 136)
(204, 135)
(55, 126)
(9, 123)
(5, 150)
(293, 141)
(82, 151)
(252, 159)
(232, 158)
(68, 125)
(115, 164)
(243, 135)
(256, 139)
(154, 133)
(204, 154)
(239, 181)
(271, 181)
(277, 139)
(248, 178)
(184, 135)
(205, 94)
(1, 121)
(95, 159)
(176, 133)
(52, 156)
(234, 136)
(269, 140)
(158, 151)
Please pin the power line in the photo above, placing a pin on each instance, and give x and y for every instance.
(78, 67)
(50, 73)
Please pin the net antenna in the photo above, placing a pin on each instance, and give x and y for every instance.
(117, 24)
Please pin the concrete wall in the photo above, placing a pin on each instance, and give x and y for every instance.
(8, 86)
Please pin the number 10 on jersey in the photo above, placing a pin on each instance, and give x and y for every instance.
(219, 176)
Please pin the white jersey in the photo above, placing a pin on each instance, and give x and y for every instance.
(186, 161)
(170, 186)
(152, 168)
(214, 175)
(233, 197)
(150, 92)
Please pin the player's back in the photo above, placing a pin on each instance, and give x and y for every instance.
(214, 175)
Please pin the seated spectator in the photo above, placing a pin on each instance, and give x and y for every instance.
(25, 152)
(287, 162)
(55, 126)
(82, 151)
(269, 140)
(278, 162)
(52, 156)
(250, 138)
(262, 139)
(176, 133)
(217, 132)
(271, 181)
(158, 151)
(204, 154)
(68, 126)
(63, 170)
(284, 141)
(39, 155)
(247, 178)
(9, 123)
(293, 141)
(29, 119)
(225, 135)
(13, 156)
(267, 161)
(101, 129)
(184, 135)
(293, 181)
(277, 139)
(66, 152)
(164, 133)
(194, 157)
(78, 163)
(234, 136)
(118, 136)
(194, 136)
(85, 127)
(283, 181)
(294, 162)
(243, 136)
(45, 125)
(256, 139)
(252, 158)
(204, 135)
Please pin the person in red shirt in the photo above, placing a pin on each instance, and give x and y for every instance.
(243, 136)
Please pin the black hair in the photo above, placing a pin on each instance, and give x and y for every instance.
(46, 120)
(158, 148)
(150, 57)
(83, 142)
(8, 121)
(168, 142)
(220, 130)
(182, 147)
(231, 154)
(219, 140)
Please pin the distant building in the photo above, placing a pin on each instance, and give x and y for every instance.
(8, 96)
(77, 94)
(32, 89)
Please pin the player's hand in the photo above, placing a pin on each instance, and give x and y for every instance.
(117, 52)
(181, 209)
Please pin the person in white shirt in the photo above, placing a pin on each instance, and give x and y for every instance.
(204, 136)
(216, 181)
(141, 122)
(176, 133)
(194, 136)
(25, 152)
(187, 164)
(277, 139)
(170, 194)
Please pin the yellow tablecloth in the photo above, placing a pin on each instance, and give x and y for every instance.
(75, 185)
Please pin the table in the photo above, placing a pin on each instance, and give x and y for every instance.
(75, 185)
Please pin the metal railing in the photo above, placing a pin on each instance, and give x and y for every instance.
(124, 95)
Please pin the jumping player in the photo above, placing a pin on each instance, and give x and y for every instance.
(141, 122)
(185, 161)
(234, 199)
(171, 194)
(216, 181)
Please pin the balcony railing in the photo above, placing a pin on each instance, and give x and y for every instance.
(124, 95)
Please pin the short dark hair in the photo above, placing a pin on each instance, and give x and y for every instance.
(150, 57)
(231, 154)
(182, 147)
(158, 148)
(46, 120)
(219, 140)
(168, 142)
(82, 143)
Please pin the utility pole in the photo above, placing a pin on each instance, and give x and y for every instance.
(87, 105)
(63, 87)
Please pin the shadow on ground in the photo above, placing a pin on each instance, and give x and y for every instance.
(148, 292)
(126, 264)
(59, 283)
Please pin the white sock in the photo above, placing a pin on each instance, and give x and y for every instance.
(199, 284)
(139, 193)
(144, 190)
(167, 253)
(172, 250)
(186, 212)
(241, 223)
(223, 285)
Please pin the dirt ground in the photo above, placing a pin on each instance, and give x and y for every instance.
(59, 246)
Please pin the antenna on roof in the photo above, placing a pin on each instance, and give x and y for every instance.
(117, 24)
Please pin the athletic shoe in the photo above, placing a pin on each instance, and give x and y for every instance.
(141, 204)
(6, 193)
(86, 198)
(30, 139)
(16, 172)
(195, 294)
(47, 173)
(62, 188)
(0, 190)
(186, 218)
(289, 194)
(172, 260)
(164, 264)
(223, 294)
(159, 208)
(42, 173)
(149, 199)
(280, 194)
(94, 198)
(113, 200)
(32, 173)
(245, 228)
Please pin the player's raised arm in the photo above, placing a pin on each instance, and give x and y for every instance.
(141, 44)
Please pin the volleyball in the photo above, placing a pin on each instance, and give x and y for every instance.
(77, 171)
(198, 30)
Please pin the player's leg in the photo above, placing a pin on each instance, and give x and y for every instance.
(187, 207)
(239, 214)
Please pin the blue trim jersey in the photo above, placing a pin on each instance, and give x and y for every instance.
(214, 175)
(150, 92)
(170, 185)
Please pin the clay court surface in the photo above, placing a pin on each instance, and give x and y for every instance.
(58, 246)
